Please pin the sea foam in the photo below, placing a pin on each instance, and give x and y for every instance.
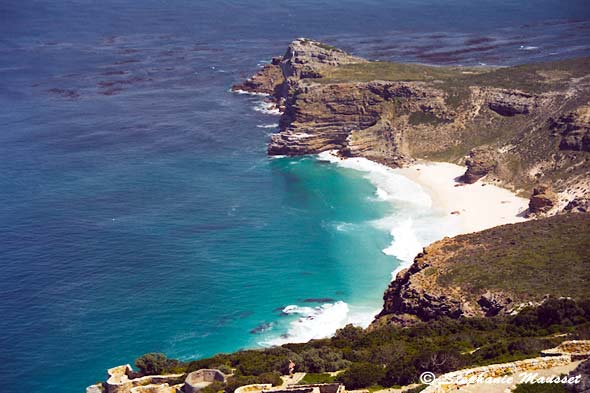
(320, 322)
(268, 108)
(414, 223)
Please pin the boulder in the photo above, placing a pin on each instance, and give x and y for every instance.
(480, 162)
(542, 200)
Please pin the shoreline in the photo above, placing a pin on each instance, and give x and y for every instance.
(428, 204)
(431, 204)
(425, 198)
(478, 206)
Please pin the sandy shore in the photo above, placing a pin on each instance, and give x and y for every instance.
(477, 206)
(430, 203)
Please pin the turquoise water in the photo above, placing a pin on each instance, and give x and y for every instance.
(138, 209)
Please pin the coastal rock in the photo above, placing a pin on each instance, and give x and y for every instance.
(411, 293)
(520, 126)
(307, 58)
(356, 119)
(542, 200)
(574, 129)
(481, 161)
(491, 272)
(266, 81)
(511, 102)
(492, 303)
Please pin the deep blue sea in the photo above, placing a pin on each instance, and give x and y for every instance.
(138, 210)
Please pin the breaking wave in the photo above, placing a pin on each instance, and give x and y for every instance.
(319, 322)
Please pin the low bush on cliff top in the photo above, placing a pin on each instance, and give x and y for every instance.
(534, 78)
(386, 71)
(527, 260)
(392, 356)
(158, 363)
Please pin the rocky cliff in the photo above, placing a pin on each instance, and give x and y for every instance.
(519, 127)
(496, 271)
(526, 128)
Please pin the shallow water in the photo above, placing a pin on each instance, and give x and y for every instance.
(138, 210)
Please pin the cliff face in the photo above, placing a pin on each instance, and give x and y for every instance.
(526, 128)
(493, 272)
(518, 126)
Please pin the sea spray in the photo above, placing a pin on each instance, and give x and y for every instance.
(320, 322)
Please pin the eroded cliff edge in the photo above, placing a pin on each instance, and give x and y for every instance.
(526, 128)
(496, 271)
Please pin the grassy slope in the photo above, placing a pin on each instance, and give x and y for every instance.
(531, 259)
(535, 78)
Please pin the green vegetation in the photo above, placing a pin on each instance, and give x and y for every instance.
(392, 356)
(363, 374)
(313, 378)
(158, 363)
(386, 71)
(215, 387)
(417, 118)
(527, 260)
(535, 78)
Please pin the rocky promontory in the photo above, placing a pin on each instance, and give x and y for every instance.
(518, 127)
(496, 271)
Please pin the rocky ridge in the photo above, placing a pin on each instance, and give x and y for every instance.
(496, 271)
(518, 127)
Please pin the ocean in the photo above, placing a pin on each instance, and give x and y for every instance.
(138, 209)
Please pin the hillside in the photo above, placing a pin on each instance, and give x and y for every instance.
(496, 271)
(519, 127)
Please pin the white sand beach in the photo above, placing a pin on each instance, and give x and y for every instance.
(430, 203)
(478, 206)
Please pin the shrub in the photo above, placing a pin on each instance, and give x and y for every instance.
(400, 375)
(319, 360)
(158, 363)
(214, 387)
(439, 362)
(224, 368)
(361, 375)
(212, 362)
(238, 380)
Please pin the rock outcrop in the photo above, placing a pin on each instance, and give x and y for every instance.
(517, 126)
(266, 81)
(480, 162)
(542, 200)
(493, 272)
(574, 129)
